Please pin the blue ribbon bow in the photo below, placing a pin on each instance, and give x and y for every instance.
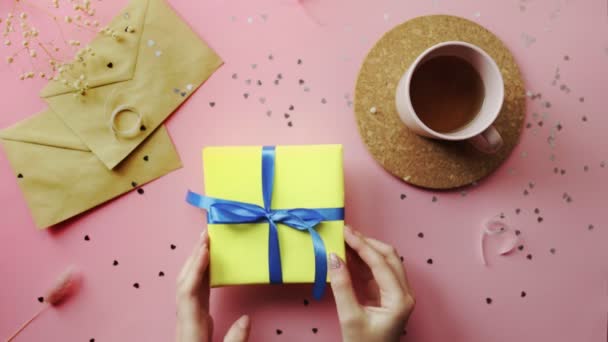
(220, 211)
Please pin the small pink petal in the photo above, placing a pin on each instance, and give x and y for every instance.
(508, 243)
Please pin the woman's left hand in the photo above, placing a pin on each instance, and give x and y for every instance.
(194, 323)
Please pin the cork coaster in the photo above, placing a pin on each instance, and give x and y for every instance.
(417, 160)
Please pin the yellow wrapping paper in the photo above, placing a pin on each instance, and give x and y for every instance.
(305, 177)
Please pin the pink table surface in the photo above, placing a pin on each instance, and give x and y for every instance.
(566, 290)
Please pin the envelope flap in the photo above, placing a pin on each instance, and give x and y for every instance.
(171, 63)
(44, 128)
(109, 58)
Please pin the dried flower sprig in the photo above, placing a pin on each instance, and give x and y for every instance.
(64, 286)
(18, 31)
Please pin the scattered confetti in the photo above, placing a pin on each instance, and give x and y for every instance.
(527, 39)
(86, 238)
(403, 196)
(489, 300)
(136, 285)
(421, 235)
(523, 294)
(429, 261)
(373, 110)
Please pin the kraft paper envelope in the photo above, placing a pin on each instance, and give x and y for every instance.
(60, 177)
(153, 62)
(69, 157)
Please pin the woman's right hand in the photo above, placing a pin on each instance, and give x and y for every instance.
(388, 300)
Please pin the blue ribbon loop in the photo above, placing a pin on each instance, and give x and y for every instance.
(221, 211)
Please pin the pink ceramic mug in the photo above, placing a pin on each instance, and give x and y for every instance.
(479, 132)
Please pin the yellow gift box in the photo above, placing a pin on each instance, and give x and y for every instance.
(309, 177)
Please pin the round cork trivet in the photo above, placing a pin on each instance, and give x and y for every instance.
(422, 161)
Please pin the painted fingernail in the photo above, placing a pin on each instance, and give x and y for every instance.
(334, 261)
(243, 322)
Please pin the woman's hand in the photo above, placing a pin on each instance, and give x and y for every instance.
(388, 300)
(194, 323)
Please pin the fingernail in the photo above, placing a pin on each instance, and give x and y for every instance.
(348, 229)
(203, 235)
(243, 322)
(334, 261)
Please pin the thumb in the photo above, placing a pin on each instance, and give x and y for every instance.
(342, 287)
(239, 331)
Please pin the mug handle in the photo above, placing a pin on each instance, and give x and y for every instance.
(488, 141)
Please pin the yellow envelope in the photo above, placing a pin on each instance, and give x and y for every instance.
(59, 175)
(305, 177)
(150, 63)
(70, 158)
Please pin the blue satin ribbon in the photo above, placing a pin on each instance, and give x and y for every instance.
(221, 211)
